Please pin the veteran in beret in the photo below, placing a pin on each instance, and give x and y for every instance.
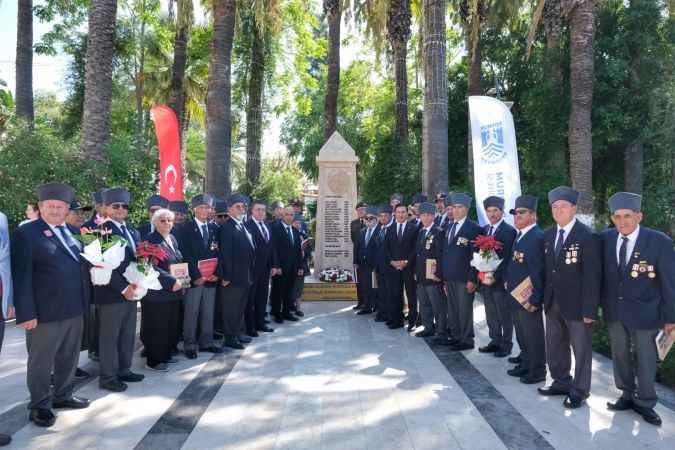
(355, 227)
(180, 209)
(99, 210)
(153, 204)
(365, 258)
(382, 292)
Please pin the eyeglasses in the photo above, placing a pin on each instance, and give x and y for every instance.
(120, 206)
(166, 220)
(521, 212)
(371, 218)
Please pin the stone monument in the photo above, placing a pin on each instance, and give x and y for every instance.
(335, 205)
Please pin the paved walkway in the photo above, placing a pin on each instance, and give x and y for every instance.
(332, 381)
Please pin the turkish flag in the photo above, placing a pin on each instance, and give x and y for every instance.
(168, 140)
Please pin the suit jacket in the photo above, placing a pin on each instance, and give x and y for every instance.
(193, 249)
(456, 255)
(237, 255)
(145, 230)
(5, 267)
(505, 234)
(380, 258)
(49, 284)
(365, 254)
(112, 293)
(573, 278)
(527, 260)
(289, 256)
(355, 227)
(265, 254)
(636, 298)
(428, 246)
(442, 221)
(164, 268)
(400, 250)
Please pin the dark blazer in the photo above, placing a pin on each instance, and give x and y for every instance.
(643, 301)
(366, 254)
(355, 227)
(573, 278)
(531, 248)
(112, 293)
(237, 256)
(49, 284)
(289, 256)
(380, 258)
(163, 267)
(145, 230)
(456, 256)
(505, 234)
(434, 240)
(442, 222)
(395, 250)
(193, 249)
(265, 254)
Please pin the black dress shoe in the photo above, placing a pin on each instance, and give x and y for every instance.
(425, 333)
(233, 343)
(114, 386)
(171, 360)
(490, 348)
(266, 329)
(290, 317)
(395, 326)
(551, 391)
(573, 402)
(461, 347)
(131, 377)
(299, 313)
(253, 334)
(94, 357)
(515, 360)
(380, 318)
(501, 353)
(71, 403)
(530, 379)
(42, 417)
(357, 306)
(81, 374)
(363, 312)
(278, 319)
(441, 340)
(5, 439)
(411, 326)
(191, 354)
(648, 414)
(245, 339)
(452, 341)
(622, 404)
(212, 349)
(517, 371)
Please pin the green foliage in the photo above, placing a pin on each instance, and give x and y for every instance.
(280, 179)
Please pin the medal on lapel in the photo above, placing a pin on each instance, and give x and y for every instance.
(634, 271)
(214, 245)
(650, 272)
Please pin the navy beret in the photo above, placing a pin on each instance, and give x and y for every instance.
(495, 201)
(178, 206)
(372, 210)
(461, 198)
(116, 195)
(298, 217)
(201, 199)
(525, 201)
(385, 209)
(76, 206)
(625, 200)
(156, 200)
(563, 193)
(236, 198)
(361, 205)
(55, 191)
(441, 196)
(427, 208)
(221, 207)
(97, 197)
(396, 196)
(419, 198)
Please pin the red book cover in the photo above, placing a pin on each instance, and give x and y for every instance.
(207, 267)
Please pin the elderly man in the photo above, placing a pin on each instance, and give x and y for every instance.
(355, 227)
(181, 211)
(153, 203)
(100, 210)
(638, 299)
(51, 292)
(287, 245)
(6, 305)
(365, 259)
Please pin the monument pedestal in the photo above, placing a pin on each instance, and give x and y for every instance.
(317, 290)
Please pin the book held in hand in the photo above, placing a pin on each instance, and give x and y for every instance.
(207, 267)
(180, 272)
(664, 342)
(523, 292)
(431, 269)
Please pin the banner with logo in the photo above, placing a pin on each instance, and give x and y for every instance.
(168, 141)
(495, 155)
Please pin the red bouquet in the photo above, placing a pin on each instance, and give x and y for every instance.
(487, 243)
(148, 254)
(486, 260)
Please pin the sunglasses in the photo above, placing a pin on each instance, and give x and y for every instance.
(521, 212)
(120, 206)
(371, 218)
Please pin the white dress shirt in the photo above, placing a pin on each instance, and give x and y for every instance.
(632, 238)
(568, 230)
(524, 231)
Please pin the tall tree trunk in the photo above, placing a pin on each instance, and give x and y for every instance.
(435, 120)
(254, 107)
(473, 29)
(177, 94)
(634, 166)
(218, 101)
(140, 80)
(24, 61)
(582, 34)
(98, 78)
(334, 15)
(398, 32)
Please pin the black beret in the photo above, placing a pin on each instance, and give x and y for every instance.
(461, 198)
(221, 207)
(396, 196)
(625, 200)
(427, 208)
(495, 201)
(75, 206)
(201, 199)
(97, 197)
(55, 191)
(419, 198)
(385, 209)
(525, 201)
(236, 198)
(156, 200)
(116, 195)
(178, 206)
(361, 205)
(372, 210)
(563, 193)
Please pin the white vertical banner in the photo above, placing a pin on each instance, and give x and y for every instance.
(495, 155)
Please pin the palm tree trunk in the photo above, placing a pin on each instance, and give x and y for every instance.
(177, 94)
(582, 34)
(140, 81)
(98, 78)
(334, 15)
(435, 120)
(24, 61)
(218, 100)
(398, 31)
(254, 108)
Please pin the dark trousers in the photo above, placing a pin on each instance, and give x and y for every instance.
(92, 324)
(499, 316)
(198, 306)
(560, 335)
(360, 287)
(116, 339)
(530, 326)
(282, 290)
(365, 275)
(256, 306)
(460, 312)
(433, 308)
(382, 294)
(160, 319)
(52, 346)
(397, 281)
(635, 359)
(235, 298)
(218, 309)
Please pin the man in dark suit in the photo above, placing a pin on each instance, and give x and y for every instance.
(399, 252)
(638, 298)
(93, 321)
(152, 204)
(51, 292)
(418, 199)
(115, 302)
(440, 216)
(384, 219)
(432, 302)
(99, 211)
(459, 277)
(355, 228)
(198, 241)
(365, 259)
(527, 261)
(6, 292)
(571, 298)
(180, 210)
(286, 241)
(266, 266)
(237, 259)
(497, 305)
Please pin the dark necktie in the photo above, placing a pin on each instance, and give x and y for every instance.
(128, 237)
(205, 235)
(559, 242)
(400, 231)
(491, 230)
(264, 231)
(368, 235)
(290, 234)
(72, 246)
(622, 256)
(451, 235)
(520, 234)
(382, 231)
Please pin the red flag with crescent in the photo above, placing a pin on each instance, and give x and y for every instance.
(168, 141)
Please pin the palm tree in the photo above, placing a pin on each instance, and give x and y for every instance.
(435, 120)
(219, 102)
(582, 35)
(98, 77)
(24, 61)
(332, 9)
(184, 20)
(398, 33)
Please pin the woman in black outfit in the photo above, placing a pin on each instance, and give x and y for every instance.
(160, 308)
